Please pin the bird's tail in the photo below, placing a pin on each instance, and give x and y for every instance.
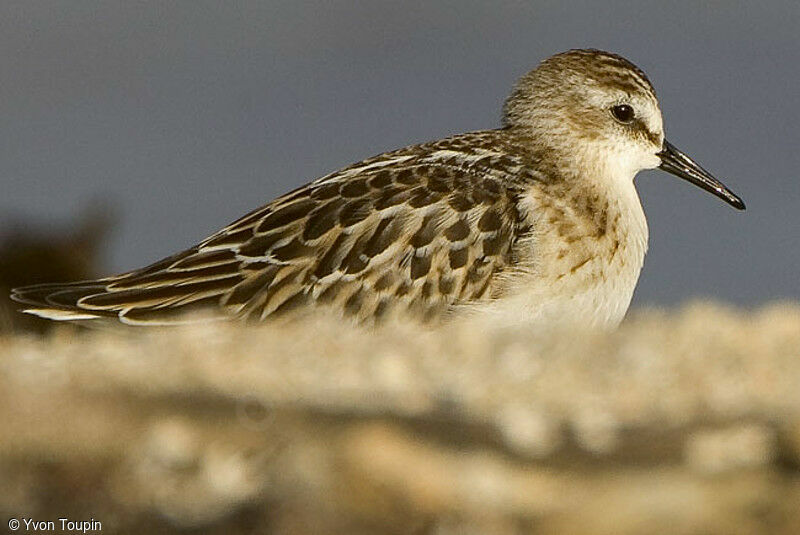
(61, 301)
(160, 294)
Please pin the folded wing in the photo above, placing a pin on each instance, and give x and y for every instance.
(402, 233)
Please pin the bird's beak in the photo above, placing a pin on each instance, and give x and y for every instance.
(679, 164)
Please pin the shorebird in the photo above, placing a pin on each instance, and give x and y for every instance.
(536, 221)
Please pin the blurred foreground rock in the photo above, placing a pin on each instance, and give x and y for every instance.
(683, 423)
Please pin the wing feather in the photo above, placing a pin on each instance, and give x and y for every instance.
(410, 233)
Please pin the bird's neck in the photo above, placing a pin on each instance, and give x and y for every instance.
(588, 171)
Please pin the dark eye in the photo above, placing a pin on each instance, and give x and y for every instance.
(623, 113)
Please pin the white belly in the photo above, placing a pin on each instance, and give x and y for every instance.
(591, 302)
(601, 303)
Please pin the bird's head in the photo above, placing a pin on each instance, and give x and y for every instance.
(600, 111)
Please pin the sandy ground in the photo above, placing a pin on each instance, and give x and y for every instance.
(683, 422)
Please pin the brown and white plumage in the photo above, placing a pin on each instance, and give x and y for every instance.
(524, 221)
(416, 230)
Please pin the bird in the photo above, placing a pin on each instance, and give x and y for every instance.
(536, 222)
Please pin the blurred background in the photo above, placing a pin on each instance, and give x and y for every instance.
(131, 130)
(185, 115)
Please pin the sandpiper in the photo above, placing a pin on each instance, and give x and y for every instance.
(537, 221)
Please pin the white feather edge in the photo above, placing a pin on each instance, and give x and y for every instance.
(60, 315)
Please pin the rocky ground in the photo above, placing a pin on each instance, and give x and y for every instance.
(685, 422)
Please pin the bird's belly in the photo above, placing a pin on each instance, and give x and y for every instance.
(594, 303)
(590, 287)
(584, 301)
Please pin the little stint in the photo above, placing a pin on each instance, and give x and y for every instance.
(537, 221)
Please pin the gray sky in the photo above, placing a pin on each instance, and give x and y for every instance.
(188, 114)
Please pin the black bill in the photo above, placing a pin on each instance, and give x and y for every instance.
(679, 164)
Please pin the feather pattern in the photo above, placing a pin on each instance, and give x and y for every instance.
(416, 232)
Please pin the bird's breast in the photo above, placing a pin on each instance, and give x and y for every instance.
(581, 262)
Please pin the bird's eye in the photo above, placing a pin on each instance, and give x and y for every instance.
(622, 113)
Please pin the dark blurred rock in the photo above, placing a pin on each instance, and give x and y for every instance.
(32, 255)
